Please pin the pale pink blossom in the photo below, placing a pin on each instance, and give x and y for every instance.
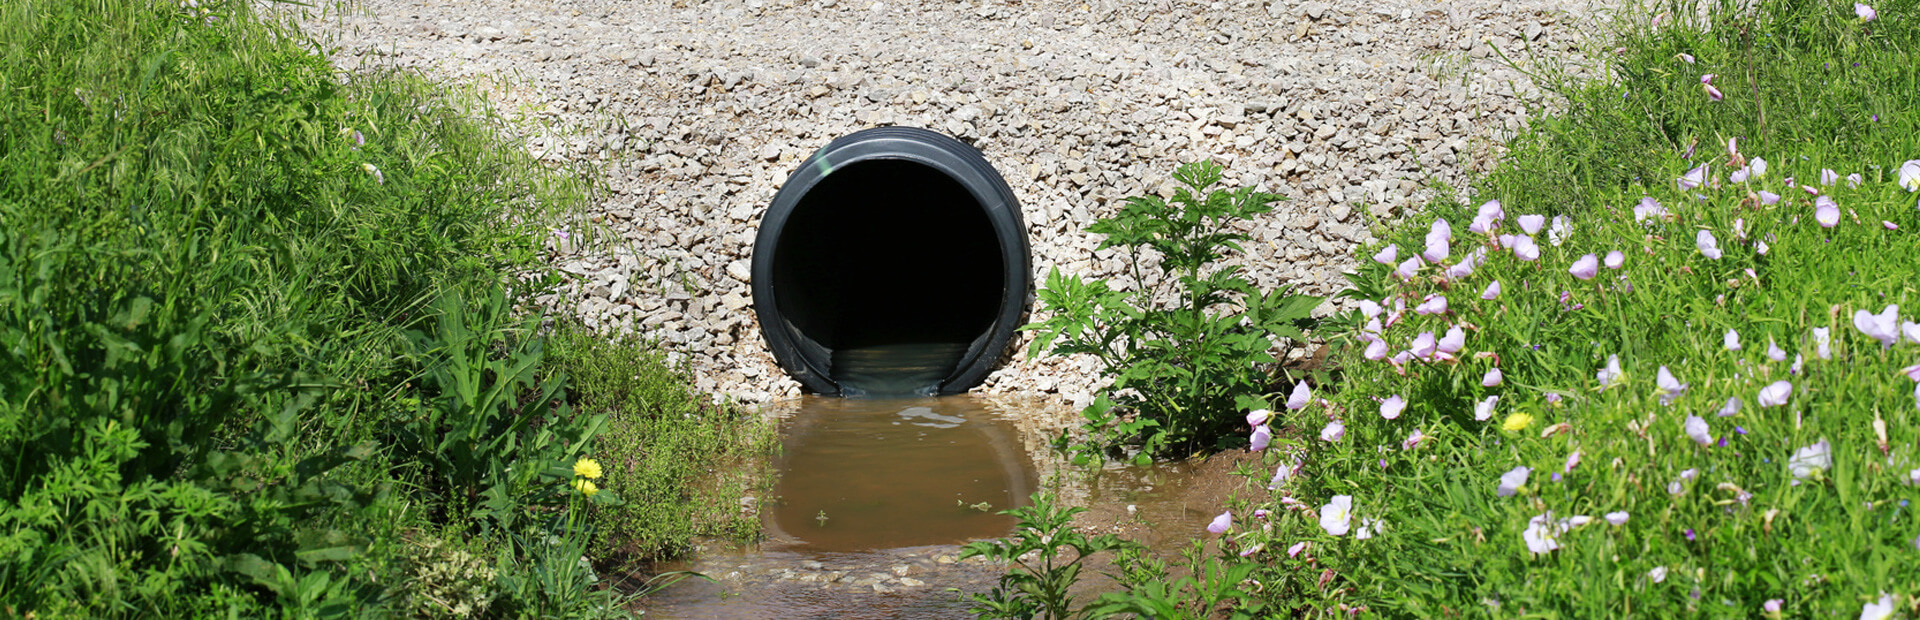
(1438, 239)
(1709, 246)
(1484, 410)
(1525, 249)
(1221, 523)
(1388, 255)
(1910, 175)
(1492, 292)
(1493, 378)
(1424, 345)
(1774, 352)
(1866, 14)
(1882, 327)
(1731, 341)
(1648, 208)
(1542, 534)
(1572, 461)
(1258, 417)
(1693, 178)
(1775, 394)
(1511, 481)
(1822, 343)
(1432, 304)
(1585, 268)
(1531, 224)
(1262, 437)
(1300, 397)
(1392, 406)
(1828, 176)
(1732, 408)
(1697, 430)
(1337, 516)
(1670, 388)
(1826, 212)
(1413, 440)
(1615, 260)
(1333, 431)
(1376, 350)
(1294, 551)
(1281, 475)
(1611, 375)
(1617, 518)
(1883, 608)
(1408, 268)
(1452, 342)
(1559, 230)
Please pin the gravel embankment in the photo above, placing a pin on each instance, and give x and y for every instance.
(695, 112)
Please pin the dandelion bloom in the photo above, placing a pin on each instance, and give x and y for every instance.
(1300, 397)
(1709, 246)
(1826, 212)
(1391, 407)
(1484, 410)
(585, 487)
(587, 468)
(1493, 378)
(1222, 523)
(1333, 431)
(1492, 292)
(1807, 460)
(1337, 516)
(1511, 481)
(1517, 422)
(1618, 518)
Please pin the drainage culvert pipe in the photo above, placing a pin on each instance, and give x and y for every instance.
(893, 262)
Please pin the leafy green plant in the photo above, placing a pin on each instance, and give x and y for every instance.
(490, 427)
(1038, 581)
(1185, 344)
(1206, 586)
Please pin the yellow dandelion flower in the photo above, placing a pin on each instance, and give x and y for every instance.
(1517, 422)
(585, 487)
(587, 468)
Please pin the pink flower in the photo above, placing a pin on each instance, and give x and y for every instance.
(1774, 352)
(1697, 430)
(1768, 198)
(1558, 231)
(1376, 350)
(1432, 304)
(1684, 57)
(1493, 291)
(1889, 225)
(1484, 410)
(1511, 481)
(1369, 309)
(1826, 212)
(1912, 372)
(1731, 340)
(1258, 417)
(1493, 378)
(1387, 256)
(1487, 219)
(1647, 208)
(1585, 268)
(1413, 440)
(1775, 394)
(1618, 518)
(1572, 460)
(1910, 175)
(1738, 176)
(1693, 178)
(1408, 268)
(1854, 180)
(1615, 260)
(1807, 460)
(1222, 523)
(1881, 327)
(1452, 342)
(1542, 534)
(1730, 409)
(1822, 343)
(1300, 397)
(1437, 240)
(1424, 345)
(1531, 224)
(1911, 330)
(1392, 406)
(1281, 475)
(1709, 246)
(1262, 437)
(1865, 12)
(1828, 176)
(1294, 551)
(1337, 516)
(1883, 608)
(1525, 249)
(1670, 388)
(1333, 432)
(1706, 83)
(1611, 374)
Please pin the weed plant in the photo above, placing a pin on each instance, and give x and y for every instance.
(1667, 368)
(1187, 341)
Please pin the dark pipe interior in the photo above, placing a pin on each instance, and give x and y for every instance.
(889, 255)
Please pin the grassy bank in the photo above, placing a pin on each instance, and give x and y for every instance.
(1692, 391)
(265, 346)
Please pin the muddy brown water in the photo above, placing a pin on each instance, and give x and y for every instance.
(877, 496)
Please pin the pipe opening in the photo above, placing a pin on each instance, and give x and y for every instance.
(888, 272)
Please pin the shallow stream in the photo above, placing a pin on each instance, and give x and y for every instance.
(876, 497)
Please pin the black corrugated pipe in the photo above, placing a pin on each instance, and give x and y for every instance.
(893, 262)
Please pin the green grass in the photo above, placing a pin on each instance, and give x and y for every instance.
(259, 357)
(1807, 87)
